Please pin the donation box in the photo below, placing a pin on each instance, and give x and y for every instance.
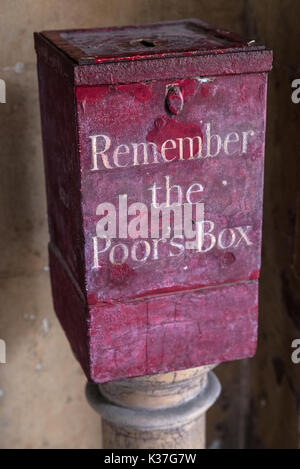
(153, 143)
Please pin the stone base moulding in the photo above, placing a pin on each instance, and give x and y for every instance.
(161, 411)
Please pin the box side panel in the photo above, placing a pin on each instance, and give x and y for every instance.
(61, 159)
(173, 332)
(70, 308)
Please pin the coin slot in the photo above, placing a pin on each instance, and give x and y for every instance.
(144, 42)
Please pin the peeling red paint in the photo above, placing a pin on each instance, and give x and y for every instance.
(120, 274)
(166, 127)
(141, 92)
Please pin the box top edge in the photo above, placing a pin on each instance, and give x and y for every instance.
(190, 37)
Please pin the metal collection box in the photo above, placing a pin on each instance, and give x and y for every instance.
(154, 156)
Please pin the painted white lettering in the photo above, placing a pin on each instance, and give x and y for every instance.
(177, 245)
(244, 235)
(209, 139)
(145, 147)
(193, 152)
(202, 234)
(168, 145)
(95, 153)
(147, 250)
(98, 251)
(168, 191)
(115, 257)
(226, 234)
(193, 189)
(233, 137)
(121, 150)
(249, 133)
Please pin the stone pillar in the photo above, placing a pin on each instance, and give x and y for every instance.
(156, 412)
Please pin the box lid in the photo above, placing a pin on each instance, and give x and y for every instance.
(184, 38)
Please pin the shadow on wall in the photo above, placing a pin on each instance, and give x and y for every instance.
(22, 200)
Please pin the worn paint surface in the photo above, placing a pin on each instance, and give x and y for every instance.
(186, 37)
(231, 182)
(154, 306)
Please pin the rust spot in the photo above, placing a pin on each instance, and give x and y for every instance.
(120, 273)
(228, 259)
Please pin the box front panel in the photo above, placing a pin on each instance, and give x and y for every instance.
(171, 201)
(173, 332)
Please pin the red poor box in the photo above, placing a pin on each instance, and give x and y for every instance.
(154, 156)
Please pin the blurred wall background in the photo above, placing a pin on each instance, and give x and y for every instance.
(42, 403)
